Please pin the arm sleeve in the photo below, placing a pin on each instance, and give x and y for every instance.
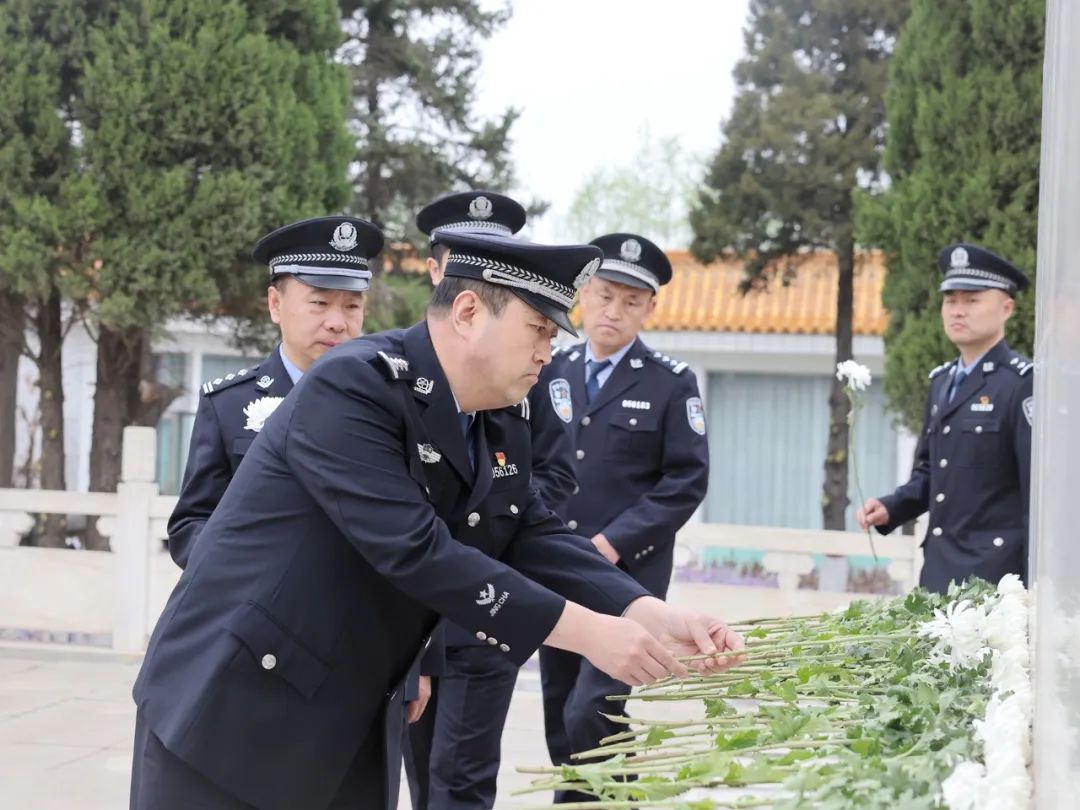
(684, 478)
(910, 500)
(553, 470)
(346, 446)
(206, 477)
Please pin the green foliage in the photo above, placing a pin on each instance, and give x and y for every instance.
(396, 300)
(806, 130)
(414, 66)
(202, 129)
(651, 195)
(964, 108)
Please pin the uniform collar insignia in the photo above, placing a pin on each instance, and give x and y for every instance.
(265, 381)
(428, 454)
(636, 362)
(424, 385)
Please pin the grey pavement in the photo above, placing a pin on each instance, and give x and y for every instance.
(66, 722)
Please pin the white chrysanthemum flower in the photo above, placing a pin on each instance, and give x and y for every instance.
(1007, 622)
(965, 787)
(855, 375)
(960, 633)
(1010, 583)
(259, 410)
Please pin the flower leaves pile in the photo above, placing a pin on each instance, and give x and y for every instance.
(915, 703)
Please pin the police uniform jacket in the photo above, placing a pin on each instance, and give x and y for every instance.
(972, 471)
(353, 523)
(220, 436)
(640, 452)
(553, 477)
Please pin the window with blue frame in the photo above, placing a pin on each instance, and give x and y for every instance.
(767, 439)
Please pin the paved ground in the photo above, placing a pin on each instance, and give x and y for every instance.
(66, 721)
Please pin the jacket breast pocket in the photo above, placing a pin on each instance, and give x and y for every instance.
(634, 432)
(276, 650)
(979, 443)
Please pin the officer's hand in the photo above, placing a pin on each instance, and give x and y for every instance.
(619, 647)
(688, 633)
(416, 707)
(605, 548)
(873, 513)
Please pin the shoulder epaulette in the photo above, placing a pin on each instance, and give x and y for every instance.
(1021, 365)
(670, 363)
(939, 369)
(397, 367)
(221, 383)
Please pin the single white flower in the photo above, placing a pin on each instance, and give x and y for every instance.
(855, 375)
(259, 410)
(1007, 623)
(959, 632)
(965, 787)
(1010, 583)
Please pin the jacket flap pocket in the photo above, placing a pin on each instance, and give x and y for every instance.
(635, 422)
(241, 445)
(276, 650)
(981, 425)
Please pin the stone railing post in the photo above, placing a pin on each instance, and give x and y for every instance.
(131, 543)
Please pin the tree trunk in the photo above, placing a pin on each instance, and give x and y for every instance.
(118, 360)
(834, 500)
(13, 319)
(50, 330)
(126, 394)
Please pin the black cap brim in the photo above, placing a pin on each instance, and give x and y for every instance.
(344, 283)
(549, 311)
(624, 278)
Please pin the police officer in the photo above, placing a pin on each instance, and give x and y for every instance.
(392, 485)
(457, 743)
(642, 465)
(972, 467)
(317, 300)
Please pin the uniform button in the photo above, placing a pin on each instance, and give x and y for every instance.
(492, 640)
(943, 463)
(585, 420)
(480, 634)
(504, 647)
(427, 490)
(937, 531)
(946, 430)
(513, 509)
(978, 428)
(580, 454)
(940, 497)
(633, 422)
(269, 661)
(999, 541)
(577, 489)
(637, 556)
(473, 519)
(652, 548)
(571, 525)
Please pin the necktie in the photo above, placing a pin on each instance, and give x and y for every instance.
(958, 380)
(592, 374)
(467, 421)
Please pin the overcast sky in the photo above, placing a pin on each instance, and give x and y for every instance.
(589, 74)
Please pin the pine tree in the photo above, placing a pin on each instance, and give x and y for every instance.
(806, 131)
(964, 111)
(205, 123)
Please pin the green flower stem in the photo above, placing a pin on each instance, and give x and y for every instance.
(853, 398)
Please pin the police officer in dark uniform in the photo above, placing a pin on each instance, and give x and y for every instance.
(972, 467)
(453, 751)
(642, 465)
(390, 486)
(318, 302)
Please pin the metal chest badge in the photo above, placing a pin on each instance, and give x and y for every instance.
(560, 399)
(695, 415)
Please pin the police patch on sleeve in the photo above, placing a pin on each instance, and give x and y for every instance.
(560, 399)
(1029, 410)
(695, 415)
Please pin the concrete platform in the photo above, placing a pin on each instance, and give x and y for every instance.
(67, 718)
